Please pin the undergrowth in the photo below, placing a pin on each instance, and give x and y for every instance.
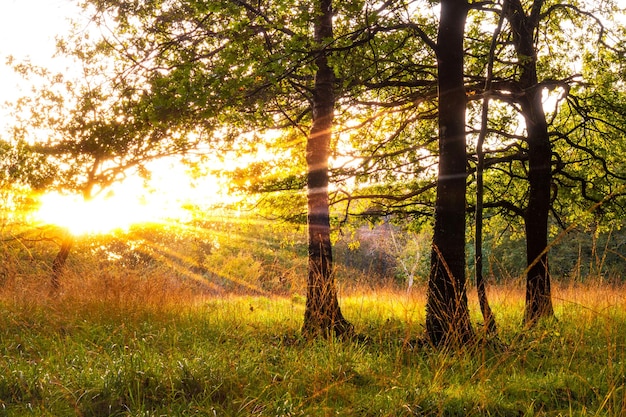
(134, 346)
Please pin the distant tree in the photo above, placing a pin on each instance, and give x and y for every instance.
(88, 133)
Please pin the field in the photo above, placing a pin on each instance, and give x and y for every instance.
(129, 346)
(207, 323)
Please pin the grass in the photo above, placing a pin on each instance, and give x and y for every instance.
(139, 347)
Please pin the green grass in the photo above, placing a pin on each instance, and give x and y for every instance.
(145, 349)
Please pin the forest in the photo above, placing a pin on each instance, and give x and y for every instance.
(400, 207)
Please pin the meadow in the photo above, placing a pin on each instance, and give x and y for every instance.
(135, 347)
(181, 327)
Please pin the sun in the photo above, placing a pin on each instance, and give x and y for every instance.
(97, 216)
(164, 198)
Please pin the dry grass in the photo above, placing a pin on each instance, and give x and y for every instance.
(124, 344)
(166, 336)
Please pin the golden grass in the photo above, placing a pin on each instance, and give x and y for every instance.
(239, 353)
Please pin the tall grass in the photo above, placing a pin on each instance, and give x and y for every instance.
(207, 323)
(129, 345)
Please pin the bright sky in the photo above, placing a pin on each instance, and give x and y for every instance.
(31, 23)
(28, 29)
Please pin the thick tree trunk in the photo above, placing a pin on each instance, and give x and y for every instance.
(538, 292)
(322, 316)
(447, 314)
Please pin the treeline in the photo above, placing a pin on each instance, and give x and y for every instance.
(388, 255)
(250, 256)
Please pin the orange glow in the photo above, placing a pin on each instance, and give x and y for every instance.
(162, 198)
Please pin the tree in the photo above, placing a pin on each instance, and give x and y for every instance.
(242, 67)
(485, 308)
(447, 314)
(322, 314)
(88, 130)
(538, 173)
(523, 27)
(545, 163)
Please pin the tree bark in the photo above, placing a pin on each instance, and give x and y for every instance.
(323, 315)
(538, 292)
(447, 313)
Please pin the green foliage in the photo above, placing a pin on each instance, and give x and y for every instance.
(584, 132)
(85, 134)
(21, 167)
(229, 69)
(234, 254)
(225, 73)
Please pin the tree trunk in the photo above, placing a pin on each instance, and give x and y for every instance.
(322, 316)
(58, 264)
(447, 313)
(488, 317)
(538, 292)
(67, 241)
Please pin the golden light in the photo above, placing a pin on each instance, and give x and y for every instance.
(162, 198)
(93, 216)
